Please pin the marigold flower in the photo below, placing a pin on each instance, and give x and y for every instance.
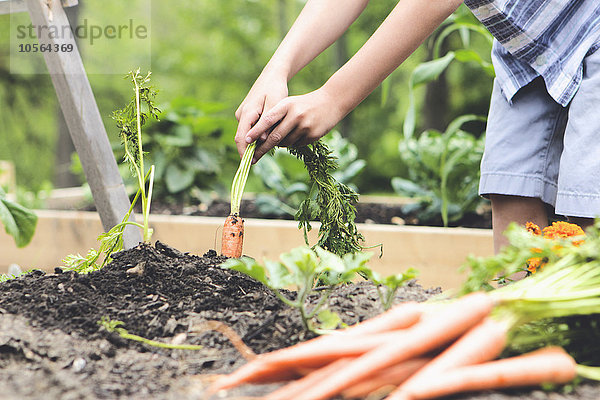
(558, 230)
(533, 228)
(562, 229)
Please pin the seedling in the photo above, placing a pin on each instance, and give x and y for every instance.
(129, 120)
(304, 269)
(388, 286)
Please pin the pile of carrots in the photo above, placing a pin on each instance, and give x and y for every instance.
(413, 351)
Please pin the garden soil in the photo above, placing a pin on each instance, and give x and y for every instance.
(52, 347)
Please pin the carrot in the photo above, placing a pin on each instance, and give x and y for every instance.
(547, 365)
(482, 343)
(433, 331)
(233, 236)
(392, 376)
(233, 229)
(295, 388)
(398, 317)
(314, 353)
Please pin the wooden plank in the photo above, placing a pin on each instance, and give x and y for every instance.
(16, 6)
(83, 118)
(436, 252)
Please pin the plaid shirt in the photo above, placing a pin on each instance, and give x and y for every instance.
(547, 38)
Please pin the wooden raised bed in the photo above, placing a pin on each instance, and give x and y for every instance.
(436, 252)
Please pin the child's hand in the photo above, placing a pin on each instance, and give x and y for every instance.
(267, 91)
(295, 121)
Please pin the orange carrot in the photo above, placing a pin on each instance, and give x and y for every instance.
(233, 236)
(308, 354)
(482, 343)
(433, 331)
(295, 388)
(392, 377)
(547, 365)
(398, 317)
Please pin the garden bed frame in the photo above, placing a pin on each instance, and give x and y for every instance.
(436, 252)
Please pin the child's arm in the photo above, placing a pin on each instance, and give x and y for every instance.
(300, 120)
(320, 23)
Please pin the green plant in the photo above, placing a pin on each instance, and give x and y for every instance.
(329, 201)
(387, 286)
(443, 172)
(190, 146)
(19, 222)
(304, 269)
(129, 120)
(462, 22)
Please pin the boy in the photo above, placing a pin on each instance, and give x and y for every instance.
(540, 134)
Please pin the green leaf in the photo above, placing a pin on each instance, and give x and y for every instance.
(430, 70)
(19, 222)
(328, 319)
(424, 73)
(178, 178)
(248, 266)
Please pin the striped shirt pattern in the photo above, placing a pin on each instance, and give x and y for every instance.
(548, 38)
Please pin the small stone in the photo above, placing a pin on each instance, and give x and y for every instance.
(137, 270)
(369, 221)
(398, 221)
(179, 338)
(14, 269)
(78, 364)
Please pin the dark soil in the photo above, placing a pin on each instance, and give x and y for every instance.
(51, 346)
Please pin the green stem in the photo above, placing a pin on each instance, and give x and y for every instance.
(126, 335)
(240, 178)
(140, 161)
(588, 372)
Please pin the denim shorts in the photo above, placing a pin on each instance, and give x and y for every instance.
(537, 148)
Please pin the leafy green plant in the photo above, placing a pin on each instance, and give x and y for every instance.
(443, 172)
(387, 286)
(190, 146)
(19, 222)
(304, 269)
(129, 120)
(462, 22)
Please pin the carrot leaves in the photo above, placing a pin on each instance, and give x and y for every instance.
(329, 201)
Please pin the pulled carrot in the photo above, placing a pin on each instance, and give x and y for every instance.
(233, 236)
(311, 354)
(400, 316)
(295, 388)
(432, 332)
(547, 365)
(391, 377)
(483, 342)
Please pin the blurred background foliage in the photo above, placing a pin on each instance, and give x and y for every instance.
(205, 56)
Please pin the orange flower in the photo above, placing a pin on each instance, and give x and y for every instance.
(533, 228)
(534, 263)
(561, 230)
(558, 230)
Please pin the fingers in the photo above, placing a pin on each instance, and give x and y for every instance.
(267, 121)
(246, 120)
(274, 138)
